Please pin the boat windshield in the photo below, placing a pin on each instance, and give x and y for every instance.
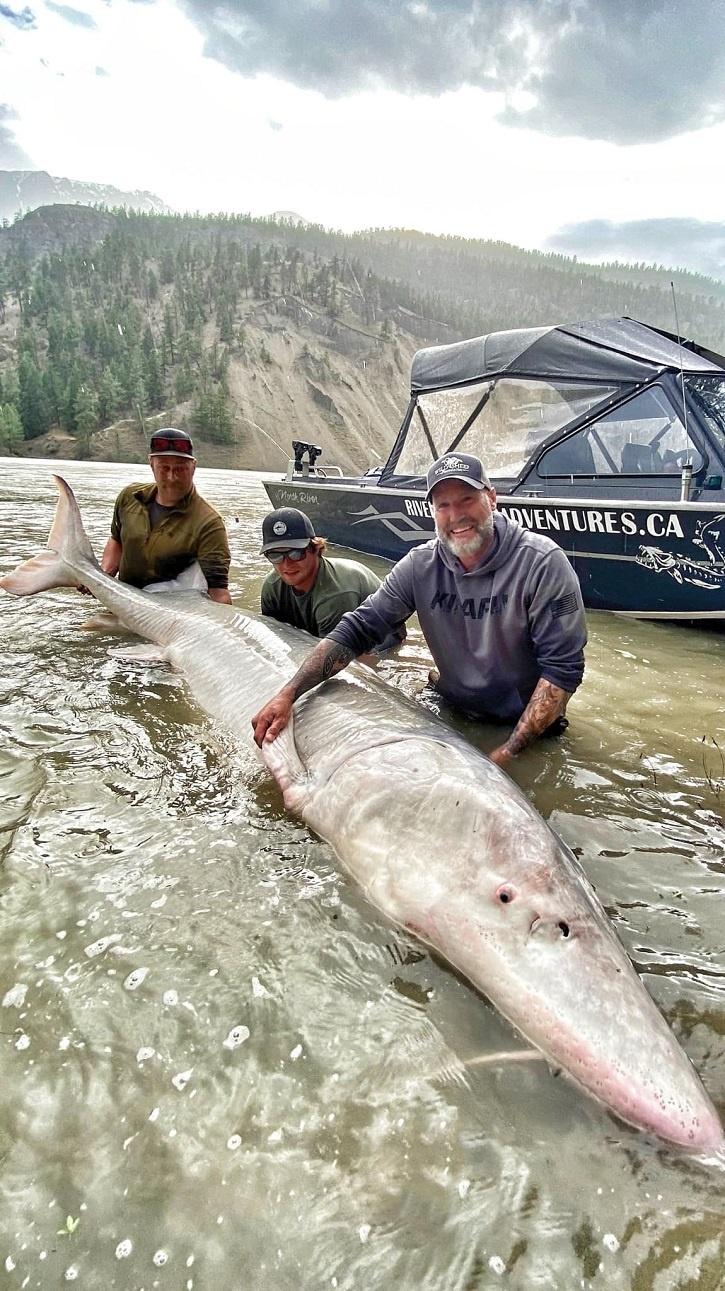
(643, 436)
(505, 419)
(709, 395)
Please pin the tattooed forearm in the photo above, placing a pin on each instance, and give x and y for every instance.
(326, 659)
(546, 704)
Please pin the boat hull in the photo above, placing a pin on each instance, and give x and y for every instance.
(649, 559)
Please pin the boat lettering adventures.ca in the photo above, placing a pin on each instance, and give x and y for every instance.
(654, 524)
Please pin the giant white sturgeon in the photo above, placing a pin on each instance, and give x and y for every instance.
(438, 838)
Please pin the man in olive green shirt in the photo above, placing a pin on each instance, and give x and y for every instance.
(158, 530)
(307, 588)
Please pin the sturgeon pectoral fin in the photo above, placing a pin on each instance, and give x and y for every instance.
(104, 621)
(498, 1059)
(282, 760)
(454, 1070)
(139, 653)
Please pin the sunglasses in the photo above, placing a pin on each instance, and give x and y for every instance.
(163, 444)
(287, 553)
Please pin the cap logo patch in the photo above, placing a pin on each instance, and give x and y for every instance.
(453, 464)
(279, 527)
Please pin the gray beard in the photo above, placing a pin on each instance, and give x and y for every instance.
(468, 546)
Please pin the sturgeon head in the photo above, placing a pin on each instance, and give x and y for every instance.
(445, 844)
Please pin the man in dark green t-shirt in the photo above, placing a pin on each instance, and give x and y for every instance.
(158, 530)
(307, 588)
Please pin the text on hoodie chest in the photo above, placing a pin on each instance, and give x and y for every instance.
(470, 607)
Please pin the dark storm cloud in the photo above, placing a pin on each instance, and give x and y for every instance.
(12, 156)
(677, 243)
(605, 69)
(74, 16)
(25, 19)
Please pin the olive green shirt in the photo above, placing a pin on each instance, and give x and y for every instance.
(341, 585)
(192, 530)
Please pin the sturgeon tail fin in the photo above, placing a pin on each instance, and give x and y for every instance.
(69, 549)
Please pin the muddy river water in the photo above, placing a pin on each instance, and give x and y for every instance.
(220, 1069)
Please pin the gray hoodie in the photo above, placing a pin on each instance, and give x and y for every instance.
(494, 631)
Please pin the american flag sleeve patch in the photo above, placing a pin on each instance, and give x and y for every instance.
(564, 605)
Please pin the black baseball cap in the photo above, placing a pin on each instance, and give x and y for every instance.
(170, 442)
(457, 466)
(286, 528)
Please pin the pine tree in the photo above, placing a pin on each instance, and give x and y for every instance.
(85, 415)
(32, 401)
(202, 409)
(152, 378)
(222, 417)
(132, 379)
(9, 388)
(110, 397)
(169, 337)
(11, 428)
(168, 268)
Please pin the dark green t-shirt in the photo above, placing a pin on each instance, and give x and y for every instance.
(191, 530)
(341, 585)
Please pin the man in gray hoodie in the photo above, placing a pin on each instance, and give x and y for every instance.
(500, 608)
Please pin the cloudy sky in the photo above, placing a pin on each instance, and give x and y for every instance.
(595, 126)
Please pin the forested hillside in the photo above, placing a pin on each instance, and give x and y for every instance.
(253, 332)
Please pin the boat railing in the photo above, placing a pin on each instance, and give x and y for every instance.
(312, 472)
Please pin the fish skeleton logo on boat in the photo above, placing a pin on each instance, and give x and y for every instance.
(709, 534)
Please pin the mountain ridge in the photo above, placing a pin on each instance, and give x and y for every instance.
(25, 190)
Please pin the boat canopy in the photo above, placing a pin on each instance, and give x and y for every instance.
(619, 350)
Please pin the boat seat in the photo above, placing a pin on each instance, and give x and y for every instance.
(640, 459)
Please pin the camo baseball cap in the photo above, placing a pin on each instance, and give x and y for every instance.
(457, 466)
(286, 528)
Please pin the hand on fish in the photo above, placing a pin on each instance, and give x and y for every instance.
(273, 717)
(501, 756)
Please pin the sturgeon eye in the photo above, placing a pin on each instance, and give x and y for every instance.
(505, 893)
(564, 928)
